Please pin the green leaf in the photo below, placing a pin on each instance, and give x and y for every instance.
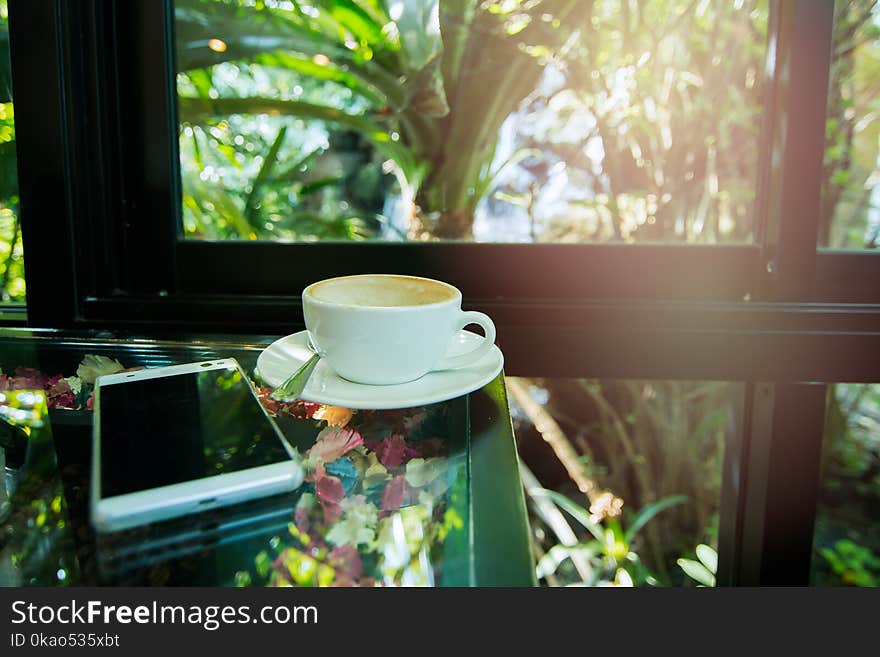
(576, 511)
(329, 72)
(352, 17)
(263, 563)
(197, 151)
(489, 178)
(708, 556)
(697, 571)
(455, 22)
(419, 29)
(5, 68)
(317, 185)
(195, 110)
(520, 200)
(646, 513)
(550, 562)
(298, 167)
(840, 178)
(263, 175)
(246, 31)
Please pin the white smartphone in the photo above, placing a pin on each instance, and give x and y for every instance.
(171, 441)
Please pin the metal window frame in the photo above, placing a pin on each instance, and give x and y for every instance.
(97, 124)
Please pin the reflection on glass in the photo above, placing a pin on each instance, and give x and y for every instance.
(381, 502)
(622, 478)
(12, 287)
(851, 189)
(539, 121)
(36, 538)
(386, 498)
(846, 544)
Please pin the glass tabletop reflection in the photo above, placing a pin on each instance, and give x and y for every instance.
(388, 497)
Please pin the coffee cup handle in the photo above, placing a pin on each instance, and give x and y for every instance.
(471, 317)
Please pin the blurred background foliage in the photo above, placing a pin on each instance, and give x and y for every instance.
(851, 192)
(539, 120)
(534, 121)
(847, 536)
(639, 464)
(12, 288)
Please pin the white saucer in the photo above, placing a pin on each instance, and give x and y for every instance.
(284, 356)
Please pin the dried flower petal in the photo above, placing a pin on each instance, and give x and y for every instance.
(334, 416)
(412, 422)
(420, 472)
(334, 443)
(75, 384)
(93, 366)
(27, 378)
(332, 512)
(394, 450)
(396, 493)
(59, 394)
(329, 489)
(375, 474)
(346, 559)
(349, 532)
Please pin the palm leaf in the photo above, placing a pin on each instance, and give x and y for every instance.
(195, 110)
(357, 21)
(330, 72)
(263, 176)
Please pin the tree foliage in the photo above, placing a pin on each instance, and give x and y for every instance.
(850, 215)
(12, 287)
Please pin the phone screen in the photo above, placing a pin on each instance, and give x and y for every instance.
(169, 430)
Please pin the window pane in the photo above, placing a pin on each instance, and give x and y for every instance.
(641, 463)
(11, 262)
(846, 545)
(851, 191)
(514, 121)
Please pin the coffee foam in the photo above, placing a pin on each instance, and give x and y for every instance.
(381, 291)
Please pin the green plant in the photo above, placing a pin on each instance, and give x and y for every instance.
(610, 554)
(428, 85)
(852, 131)
(704, 570)
(847, 536)
(644, 440)
(855, 564)
(12, 287)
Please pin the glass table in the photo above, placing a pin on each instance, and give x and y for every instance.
(411, 497)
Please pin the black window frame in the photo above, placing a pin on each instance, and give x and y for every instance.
(96, 121)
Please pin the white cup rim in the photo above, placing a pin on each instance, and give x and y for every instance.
(413, 308)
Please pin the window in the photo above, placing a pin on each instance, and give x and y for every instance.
(631, 271)
(12, 288)
(851, 187)
(508, 122)
(640, 465)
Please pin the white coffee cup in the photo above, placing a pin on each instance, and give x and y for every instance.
(384, 329)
